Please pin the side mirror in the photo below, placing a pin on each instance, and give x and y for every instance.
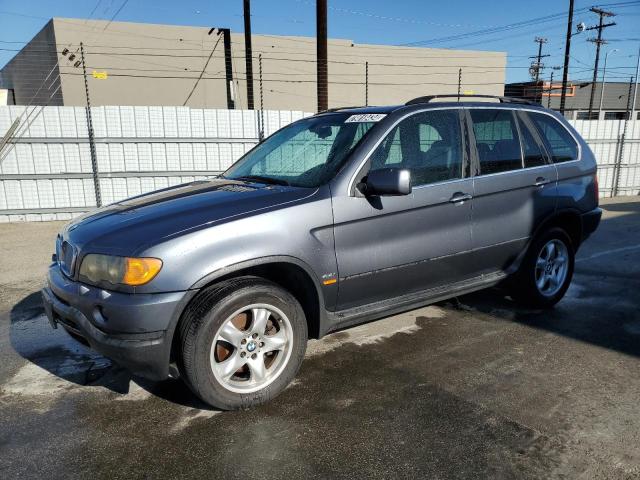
(387, 181)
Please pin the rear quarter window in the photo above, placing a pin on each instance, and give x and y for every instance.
(561, 144)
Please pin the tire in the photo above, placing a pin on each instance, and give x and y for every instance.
(525, 286)
(247, 318)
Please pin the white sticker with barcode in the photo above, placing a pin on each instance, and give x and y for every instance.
(365, 117)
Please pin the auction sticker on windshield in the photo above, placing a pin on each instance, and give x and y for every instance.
(366, 117)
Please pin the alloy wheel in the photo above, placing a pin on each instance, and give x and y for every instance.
(551, 268)
(251, 348)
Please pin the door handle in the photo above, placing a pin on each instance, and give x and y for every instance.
(541, 182)
(460, 197)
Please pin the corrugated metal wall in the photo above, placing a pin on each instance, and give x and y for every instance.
(47, 174)
(604, 138)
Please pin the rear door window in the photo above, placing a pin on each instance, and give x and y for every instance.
(561, 144)
(497, 140)
(533, 152)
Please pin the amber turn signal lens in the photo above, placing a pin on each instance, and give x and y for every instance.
(138, 271)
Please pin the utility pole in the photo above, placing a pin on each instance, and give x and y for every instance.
(537, 66)
(567, 52)
(261, 130)
(549, 91)
(228, 67)
(248, 53)
(92, 143)
(459, 82)
(599, 42)
(635, 90)
(618, 165)
(321, 61)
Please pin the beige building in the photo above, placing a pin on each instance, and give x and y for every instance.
(147, 64)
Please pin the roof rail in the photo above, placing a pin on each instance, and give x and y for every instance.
(428, 98)
(337, 109)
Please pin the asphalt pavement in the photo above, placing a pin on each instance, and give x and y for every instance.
(474, 387)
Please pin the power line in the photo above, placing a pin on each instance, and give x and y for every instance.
(203, 69)
(26, 73)
(400, 19)
(173, 77)
(115, 15)
(511, 26)
(431, 51)
(302, 60)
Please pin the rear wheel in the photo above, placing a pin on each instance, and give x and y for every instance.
(546, 271)
(242, 342)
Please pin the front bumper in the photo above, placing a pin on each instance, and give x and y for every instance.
(590, 222)
(134, 330)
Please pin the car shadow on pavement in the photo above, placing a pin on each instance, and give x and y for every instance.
(56, 352)
(607, 329)
(602, 306)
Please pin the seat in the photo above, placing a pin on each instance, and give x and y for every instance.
(504, 156)
(484, 151)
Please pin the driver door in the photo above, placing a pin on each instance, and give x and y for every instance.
(388, 246)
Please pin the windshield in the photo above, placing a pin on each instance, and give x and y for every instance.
(307, 153)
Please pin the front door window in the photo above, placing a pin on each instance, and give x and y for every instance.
(429, 144)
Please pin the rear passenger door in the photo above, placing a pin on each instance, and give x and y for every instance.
(575, 178)
(514, 186)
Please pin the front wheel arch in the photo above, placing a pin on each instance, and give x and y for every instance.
(290, 273)
(216, 306)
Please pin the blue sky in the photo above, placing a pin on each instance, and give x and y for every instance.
(369, 21)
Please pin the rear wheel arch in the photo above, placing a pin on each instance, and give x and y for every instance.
(542, 285)
(568, 220)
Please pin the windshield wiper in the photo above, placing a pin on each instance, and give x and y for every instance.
(268, 180)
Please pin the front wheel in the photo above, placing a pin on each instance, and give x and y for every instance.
(546, 271)
(242, 342)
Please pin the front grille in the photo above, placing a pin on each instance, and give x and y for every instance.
(66, 254)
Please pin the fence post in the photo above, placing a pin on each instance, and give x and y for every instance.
(366, 83)
(618, 165)
(261, 112)
(92, 143)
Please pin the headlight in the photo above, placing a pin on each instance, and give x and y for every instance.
(119, 270)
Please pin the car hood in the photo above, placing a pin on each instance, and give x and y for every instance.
(128, 226)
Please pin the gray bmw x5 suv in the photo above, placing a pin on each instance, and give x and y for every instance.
(343, 217)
